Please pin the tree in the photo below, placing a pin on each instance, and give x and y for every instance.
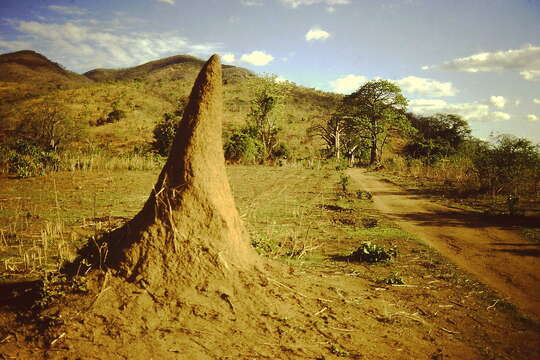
(374, 110)
(340, 136)
(266, 111)
(436, 136)
(507, 164)
(47, 125)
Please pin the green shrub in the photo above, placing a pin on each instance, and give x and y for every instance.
(242, 147)
(24, 159)
(164, 133)
(393, 279)
(344, 181)
(372, 253)
(507, 165)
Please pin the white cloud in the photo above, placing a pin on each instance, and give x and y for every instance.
(331, 3)
(472, 111)
(257, 58)
(536, 101)
(498, 101)
(317, 34)
(83, 47)
(530, 74)
(347, 84)
(526, 59)
(499, 115)
(532, 117)
(251, 3)
(67, 10)
(170, 2)
(15, 45)
(228, 58)
(426, 87)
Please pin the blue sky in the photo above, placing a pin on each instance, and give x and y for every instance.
(476, 58)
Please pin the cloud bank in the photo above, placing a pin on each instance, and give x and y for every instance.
(526, 59)
(84, 45)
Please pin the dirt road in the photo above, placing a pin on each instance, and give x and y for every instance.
(490, 251)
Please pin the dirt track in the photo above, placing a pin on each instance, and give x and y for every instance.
(492, 252)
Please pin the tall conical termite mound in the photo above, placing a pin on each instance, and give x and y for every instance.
(189, 230)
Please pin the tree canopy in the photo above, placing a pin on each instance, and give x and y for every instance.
(374, 110)
(436, 136)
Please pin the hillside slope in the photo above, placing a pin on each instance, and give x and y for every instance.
(30, 66)
(171, 68)
(145, 93)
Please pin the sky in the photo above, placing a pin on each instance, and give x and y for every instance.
(476, 58)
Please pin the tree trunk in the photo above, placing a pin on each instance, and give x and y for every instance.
(337, 143)
(373, 158)
(189, 230)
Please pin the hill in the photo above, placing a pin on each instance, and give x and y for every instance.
(176, 67)
(144, 93)
(30, 66)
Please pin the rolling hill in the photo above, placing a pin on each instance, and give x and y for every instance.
(144, 93)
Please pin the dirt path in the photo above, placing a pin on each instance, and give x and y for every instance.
(495, 255)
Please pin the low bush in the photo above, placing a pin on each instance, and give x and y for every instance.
(242, 147)
(24, 159)
(372, 253)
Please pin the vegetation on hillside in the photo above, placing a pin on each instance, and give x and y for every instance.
(131, 114)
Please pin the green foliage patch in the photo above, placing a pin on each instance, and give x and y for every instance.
(372, 253)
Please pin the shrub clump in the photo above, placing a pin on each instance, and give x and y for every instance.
(243, 147)
(164, 134)
(24, 159)
(372, 253)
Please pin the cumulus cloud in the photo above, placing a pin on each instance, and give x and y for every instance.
(526, 59)
(83, 47)
(472, 111)
(498, 101)
(499, 115)
(257, 58)
(530, 74)
(426, 87)
(228, 58)
(317, 34)
(536, 101)
(170, 2)
(347, 84)
(67, 10)
(532, 117)
(331, 3)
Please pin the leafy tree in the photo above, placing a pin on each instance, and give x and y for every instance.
(266, 111)
(507, 164)
(436, 136)
(373, 111)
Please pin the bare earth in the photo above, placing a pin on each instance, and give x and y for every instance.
(491, 252)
